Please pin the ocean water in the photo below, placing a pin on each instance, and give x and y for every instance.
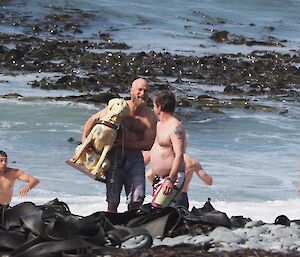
(253, 156)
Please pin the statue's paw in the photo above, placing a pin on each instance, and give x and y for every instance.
(101, 173)
(73, 159)
(105, 165)
(94, 172)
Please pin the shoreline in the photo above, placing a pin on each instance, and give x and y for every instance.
(241, 80)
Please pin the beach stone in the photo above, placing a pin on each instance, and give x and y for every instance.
(172, 241)
(222, 234)
(229, 238)
(255, 243)
(281, 231)
(276, 245)
(219, 230)
(240, 232)
(200, 239)
(254, 223)
(282, 220)
(134, 243)
(227, 247)
(290, 243)
(295, 246)
(256, 231)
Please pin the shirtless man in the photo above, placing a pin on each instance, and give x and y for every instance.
(166, 154)
(137, 133)
(8, 176)
(191, 166)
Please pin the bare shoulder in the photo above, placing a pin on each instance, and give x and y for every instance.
(11, 173)
(177, 127)
(148, 112)
(19, 172)
(149, 115)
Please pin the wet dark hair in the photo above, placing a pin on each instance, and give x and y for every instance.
(3, 154)
(166, 100)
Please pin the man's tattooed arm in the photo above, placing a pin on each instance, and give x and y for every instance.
(178, 132)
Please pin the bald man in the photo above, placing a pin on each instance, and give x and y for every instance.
(137, 134)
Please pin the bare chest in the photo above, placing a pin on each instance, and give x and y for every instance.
(135, 124)
(163, 135)
(6, 183)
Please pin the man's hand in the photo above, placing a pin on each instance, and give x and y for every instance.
(167, 187)
(24, 191)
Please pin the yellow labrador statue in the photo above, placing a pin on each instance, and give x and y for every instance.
(90, 157)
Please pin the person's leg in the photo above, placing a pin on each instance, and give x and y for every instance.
(114, 183)
(111, 207)
(182, 200)
(135, 181)
(191, 166)
(136, 205)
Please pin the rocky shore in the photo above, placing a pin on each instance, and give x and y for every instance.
(101, 68)
(52, 230)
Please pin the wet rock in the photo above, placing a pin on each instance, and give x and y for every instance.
(102, 97)
(88, 70)
(220, 36)
(214, 110)
(105, 37)
(14, 58)
(232, 90)
(159, 87)
(3, 49)
(12, 95)
(183, 102)
(282, 220)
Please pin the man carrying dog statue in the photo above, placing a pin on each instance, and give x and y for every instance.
(136, 133)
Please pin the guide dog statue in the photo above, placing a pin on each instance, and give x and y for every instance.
(93, 151)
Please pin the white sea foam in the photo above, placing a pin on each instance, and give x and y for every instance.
(265, 211)
(8, 124)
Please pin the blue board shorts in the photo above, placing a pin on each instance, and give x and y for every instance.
(127, 170)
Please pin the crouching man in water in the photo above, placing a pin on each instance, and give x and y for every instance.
(8, 176)
(166, 154)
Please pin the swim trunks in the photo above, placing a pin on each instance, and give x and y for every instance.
(182, 200)
(127, 170)
(159, 199)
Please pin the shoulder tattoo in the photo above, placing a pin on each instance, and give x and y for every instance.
(178, 132)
